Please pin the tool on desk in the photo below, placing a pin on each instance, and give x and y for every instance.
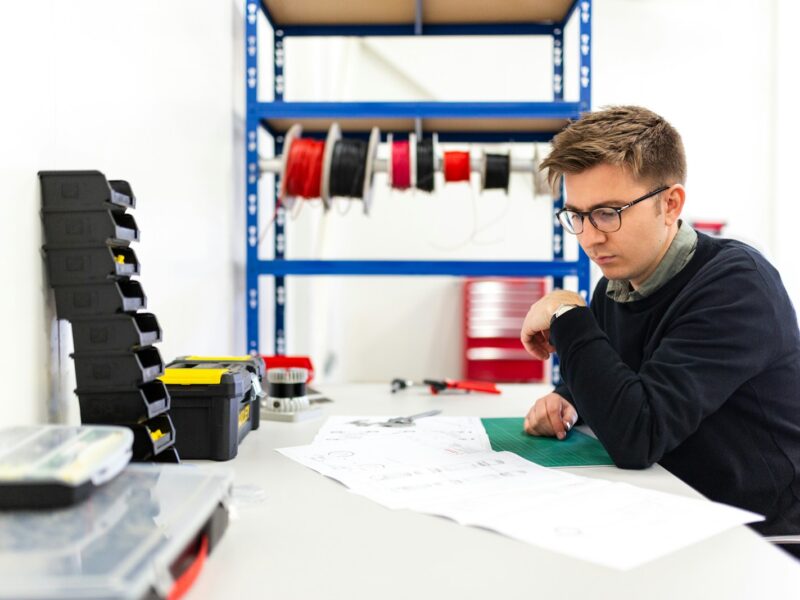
(396, 421)
(441, 385)
(287, 395)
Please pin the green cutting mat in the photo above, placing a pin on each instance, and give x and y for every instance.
(577, 450)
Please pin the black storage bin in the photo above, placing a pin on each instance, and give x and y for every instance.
(115, 333)
(123, 407)
(168, 455)
(117, 370)
(83, 190)
(75, 266)
(89, 228)
(212, 407)
(152, 437)
(99, 299)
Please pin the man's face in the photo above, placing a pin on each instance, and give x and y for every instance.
(633, 252)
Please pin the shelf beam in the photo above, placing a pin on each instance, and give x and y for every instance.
(427, 30)
(418, 110)
(457, 268)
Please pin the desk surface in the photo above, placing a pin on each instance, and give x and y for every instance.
(307, 537)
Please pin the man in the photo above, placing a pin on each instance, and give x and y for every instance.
(690, 353)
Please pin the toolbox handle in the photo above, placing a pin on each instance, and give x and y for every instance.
(189, 575)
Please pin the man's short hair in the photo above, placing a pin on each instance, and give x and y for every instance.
(632, 137)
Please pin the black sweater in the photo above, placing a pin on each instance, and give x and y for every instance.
(703, 376)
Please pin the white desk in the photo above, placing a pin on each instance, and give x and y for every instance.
(310, 538)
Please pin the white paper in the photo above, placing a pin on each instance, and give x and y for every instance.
(613, 524)
(458, 434)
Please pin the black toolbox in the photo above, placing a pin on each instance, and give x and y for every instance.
(99, 299)
(125, 406)
(74, 266)
(213, 406)
(83, 190)
(89, 228)
(114, 333)
(117, 370)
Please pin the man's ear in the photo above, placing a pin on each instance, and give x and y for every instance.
(673, 203)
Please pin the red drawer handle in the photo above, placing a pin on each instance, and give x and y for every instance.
(187, 578)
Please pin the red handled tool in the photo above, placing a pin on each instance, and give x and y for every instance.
(441, 385)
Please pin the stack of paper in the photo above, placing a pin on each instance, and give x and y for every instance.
(444, 466)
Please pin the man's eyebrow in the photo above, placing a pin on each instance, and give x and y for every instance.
(605, 204)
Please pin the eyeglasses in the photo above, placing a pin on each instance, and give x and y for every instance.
(607, 219)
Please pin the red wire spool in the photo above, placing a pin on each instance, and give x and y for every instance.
(304, 168)
(401, 165)
(456, 166)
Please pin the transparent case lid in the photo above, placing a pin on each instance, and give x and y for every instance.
(119, 543)
(63, 454)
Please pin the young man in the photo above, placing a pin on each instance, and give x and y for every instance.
(690, 353)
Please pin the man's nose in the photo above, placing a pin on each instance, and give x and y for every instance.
(591, 235)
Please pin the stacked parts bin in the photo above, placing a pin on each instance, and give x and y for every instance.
(88, 233)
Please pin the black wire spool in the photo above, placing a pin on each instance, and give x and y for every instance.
(496, 172)
(425, 166)
(348, 167)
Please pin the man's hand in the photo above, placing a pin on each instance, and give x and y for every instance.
(552, 415)
(535, 334)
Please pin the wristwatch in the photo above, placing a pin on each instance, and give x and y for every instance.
(560, 310)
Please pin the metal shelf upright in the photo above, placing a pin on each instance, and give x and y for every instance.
(453, 121)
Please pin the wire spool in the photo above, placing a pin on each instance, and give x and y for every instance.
(295, 131)
(456, 166)
(302, 178)
(348, 166)
(495, 171)
(286, 390)
(400, 164)
(334, 135)
(540, 184)
(425, 165)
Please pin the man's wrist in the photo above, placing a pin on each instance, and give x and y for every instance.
(560, 310)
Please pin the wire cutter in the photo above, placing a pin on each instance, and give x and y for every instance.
(441, 385)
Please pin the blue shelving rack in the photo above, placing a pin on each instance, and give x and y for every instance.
(522, 122)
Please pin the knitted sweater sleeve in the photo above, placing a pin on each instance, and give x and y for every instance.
(715, 341)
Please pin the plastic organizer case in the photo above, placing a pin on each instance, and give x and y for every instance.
(74, 266)
(89, 228)
(125, 331)
(99, 299)
(213, 406)
(144, 535)
(83, 190)
(124, 407)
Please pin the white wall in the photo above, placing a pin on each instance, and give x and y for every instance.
(142, 91)
(151, 92)
(708, 67)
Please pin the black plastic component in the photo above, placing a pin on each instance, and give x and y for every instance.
(89, 228)
(99, 299)
(152, 437)
(117, 370)
(74, 266)
(124, 407)
(83, 190)
(115, 333)
(213, 418)
(29, 496)
(168, 455)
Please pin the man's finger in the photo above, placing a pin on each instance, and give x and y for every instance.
(555, 419)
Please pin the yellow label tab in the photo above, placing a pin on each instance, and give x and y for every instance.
(244, 416)
(192, 376)
(157, 435)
